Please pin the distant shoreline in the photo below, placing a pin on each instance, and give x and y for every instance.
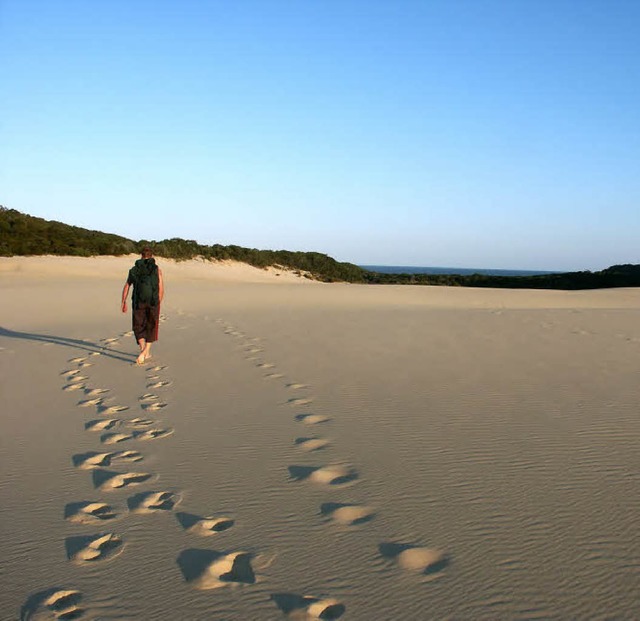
(461, 271)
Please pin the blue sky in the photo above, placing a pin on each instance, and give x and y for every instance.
(480, 133)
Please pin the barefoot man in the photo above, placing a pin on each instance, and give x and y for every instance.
(148, 291)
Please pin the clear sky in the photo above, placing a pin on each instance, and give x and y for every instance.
(468, 133)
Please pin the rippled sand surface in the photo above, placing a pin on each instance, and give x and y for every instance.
(297, 451)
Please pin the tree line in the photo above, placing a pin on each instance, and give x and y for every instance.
(614, 276)
(22, 234)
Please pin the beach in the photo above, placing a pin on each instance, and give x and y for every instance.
(301, 450)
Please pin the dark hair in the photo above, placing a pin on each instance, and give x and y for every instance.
(147, 253)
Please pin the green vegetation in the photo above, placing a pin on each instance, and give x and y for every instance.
(614, 276)
(21, 234)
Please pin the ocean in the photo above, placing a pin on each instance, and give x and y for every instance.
(464, 271)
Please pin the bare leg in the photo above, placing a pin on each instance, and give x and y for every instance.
(143, 347)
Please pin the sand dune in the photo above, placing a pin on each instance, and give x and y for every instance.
(416, 453)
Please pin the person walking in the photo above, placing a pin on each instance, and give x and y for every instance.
(148, 291)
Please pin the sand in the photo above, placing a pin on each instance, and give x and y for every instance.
(297, 450)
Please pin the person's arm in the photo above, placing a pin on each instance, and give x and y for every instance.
(125, 293)
(160, 285)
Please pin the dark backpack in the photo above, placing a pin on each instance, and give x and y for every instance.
(145, 282)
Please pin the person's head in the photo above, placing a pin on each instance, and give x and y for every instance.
(147, 253)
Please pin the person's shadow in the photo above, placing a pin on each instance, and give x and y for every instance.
(86, 346)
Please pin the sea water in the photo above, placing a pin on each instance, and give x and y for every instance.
(464, 271)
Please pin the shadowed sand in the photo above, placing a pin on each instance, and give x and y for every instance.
(204, 526)
(151, 502)
(407, 452)
(108, 481)
(53, 603)
(93, 548)
(89, 512)
(307, 607)
(207, 569)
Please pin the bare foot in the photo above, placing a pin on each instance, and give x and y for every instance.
(140, 358)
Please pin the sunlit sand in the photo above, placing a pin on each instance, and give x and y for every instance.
(301, 450)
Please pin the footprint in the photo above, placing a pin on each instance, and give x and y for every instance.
(93, 459)
(127, 456)
(101, 424)
(334, 474)
(70, 387)
(115, 438)
(53, 604)
(150, 502)
(416, 559)
(265, 365)
(140, 422)
(274, 375)
(93, 548)
(309, 445)
(108, 480)
(208, 569)
(149, 396)
(300, 401)
(84, 365)
(109, 341)
(158, 368)
(89, 402)
(112, 409)
(296, 386)
(77, 378)
(153, 407)
(152, 434)
(153, 377)
(307, 607)
(76, 360)
(95, 353)
(90, 392)
(312, 419)
(89, 512)
(204, 526)
(347, 515)
(70, 372)
(160, 384)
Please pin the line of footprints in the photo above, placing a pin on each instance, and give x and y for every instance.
(112, 428)
(114, 468)
(421, 560)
